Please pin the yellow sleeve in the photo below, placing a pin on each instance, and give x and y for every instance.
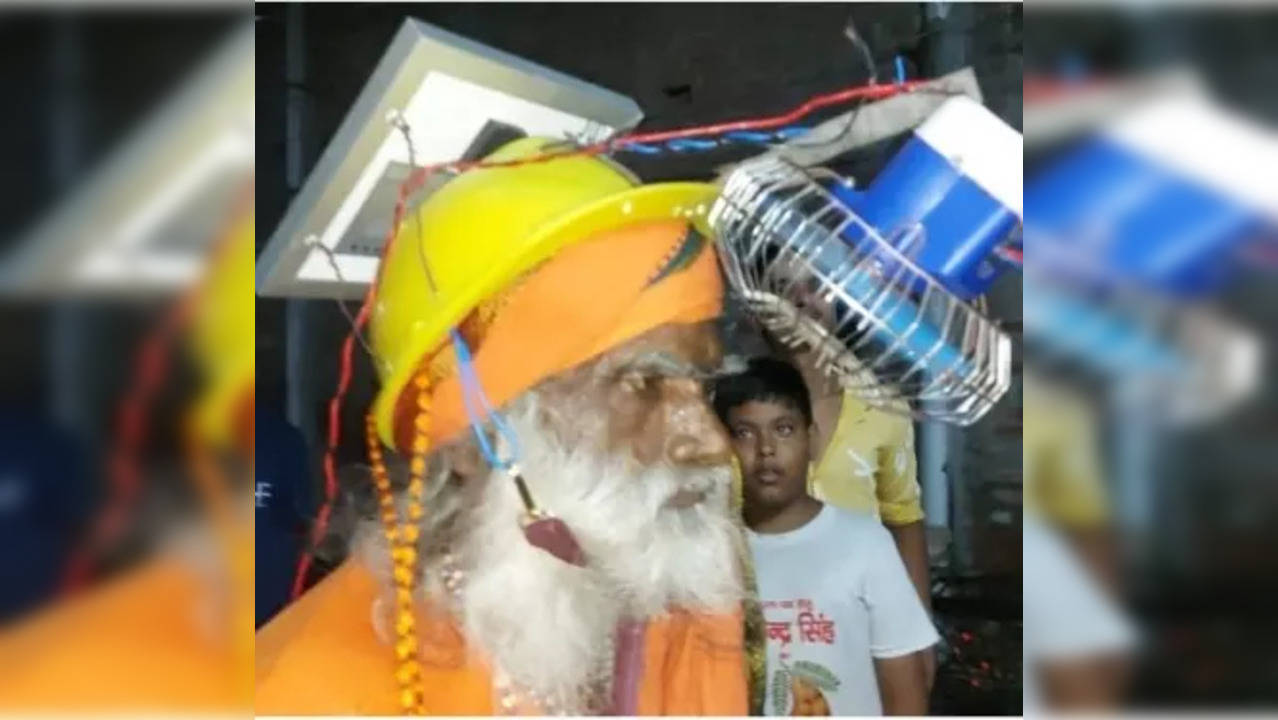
(1064, 480)
(1071, 491)
(896, 478)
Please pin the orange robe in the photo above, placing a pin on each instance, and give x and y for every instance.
(137, 643)
(322, 656)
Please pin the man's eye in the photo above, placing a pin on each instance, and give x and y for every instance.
(785, 430)
(740, 433)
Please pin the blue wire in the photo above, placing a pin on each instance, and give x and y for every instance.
(791, 132)
(683, 145)
(472, 389)
(748, 136)
(900, 69)
(642, 149)
(1072, 68)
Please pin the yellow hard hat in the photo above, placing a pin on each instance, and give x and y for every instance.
(221, 333)
(483, 229)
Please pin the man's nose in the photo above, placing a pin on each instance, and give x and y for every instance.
(694, 435)
(767, 445)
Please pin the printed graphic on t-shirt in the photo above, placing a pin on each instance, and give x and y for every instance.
(800, 686)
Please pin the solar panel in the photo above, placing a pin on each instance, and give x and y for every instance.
(143, 221)
(453, 94)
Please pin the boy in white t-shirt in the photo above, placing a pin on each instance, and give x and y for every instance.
(846, 631)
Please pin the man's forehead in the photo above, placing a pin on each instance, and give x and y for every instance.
(695, 346)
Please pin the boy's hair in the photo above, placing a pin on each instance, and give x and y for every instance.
(766, 379)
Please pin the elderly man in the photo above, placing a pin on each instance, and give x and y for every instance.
(600, 571)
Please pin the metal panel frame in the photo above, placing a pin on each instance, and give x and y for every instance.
(212, 109)
(417, 50)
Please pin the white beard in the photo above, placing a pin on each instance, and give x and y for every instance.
(549, 625)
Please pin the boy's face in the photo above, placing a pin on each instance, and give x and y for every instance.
(771, 441)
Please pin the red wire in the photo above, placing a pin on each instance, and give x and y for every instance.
(1043, 89)
(812, 105)
(345, 361)
(420, 175)
(151, 369)
(149, 374)
(1263, 254)
(1014, 255)
(765, 123)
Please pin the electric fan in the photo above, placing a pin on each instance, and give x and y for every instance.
(881, 283)
(1132, 233)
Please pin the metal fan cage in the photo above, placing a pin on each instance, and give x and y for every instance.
(821, 278)
(1184, 362)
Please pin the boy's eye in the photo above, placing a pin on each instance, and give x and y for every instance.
(740, 432)
(785, 429)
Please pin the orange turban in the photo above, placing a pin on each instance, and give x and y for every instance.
(586, 300)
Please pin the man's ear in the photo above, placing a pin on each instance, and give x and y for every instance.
(464, 458)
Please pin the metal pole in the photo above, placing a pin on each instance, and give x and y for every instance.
(69, 344)
(1135, 441)
(297, 328)
(947, 50)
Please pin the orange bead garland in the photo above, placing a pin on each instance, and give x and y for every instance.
(402, 538)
